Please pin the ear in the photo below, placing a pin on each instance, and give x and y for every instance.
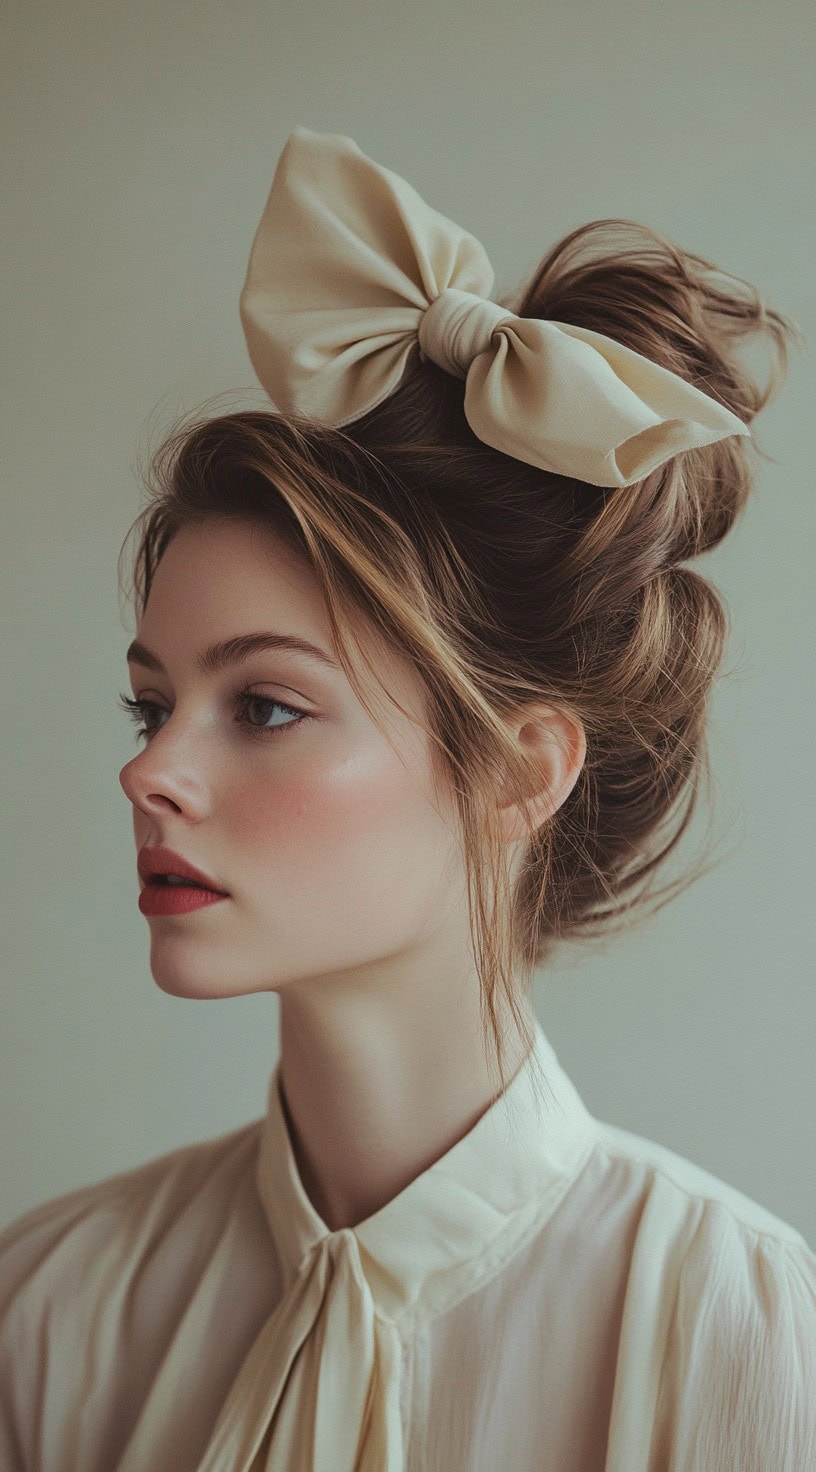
(558, 741)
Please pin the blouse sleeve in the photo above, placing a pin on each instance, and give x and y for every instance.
(23, 1246)
(738, 1391)
(41, 1263)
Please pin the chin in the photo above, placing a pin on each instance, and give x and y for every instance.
(180, 978)
(182, 986)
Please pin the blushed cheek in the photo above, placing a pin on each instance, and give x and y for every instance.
(357, 822)
(273, 819)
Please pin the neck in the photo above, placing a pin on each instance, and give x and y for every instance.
(375, 1090)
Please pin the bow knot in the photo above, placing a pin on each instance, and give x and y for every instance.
(457, 327)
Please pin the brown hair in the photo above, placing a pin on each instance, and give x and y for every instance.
(504, 584)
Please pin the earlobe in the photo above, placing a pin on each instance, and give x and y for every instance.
(557, 740)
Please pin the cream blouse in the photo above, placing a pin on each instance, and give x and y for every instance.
(553, 1294)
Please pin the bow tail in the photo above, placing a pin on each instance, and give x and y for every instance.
(319, 1390)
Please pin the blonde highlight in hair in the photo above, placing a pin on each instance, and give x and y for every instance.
(504, 585)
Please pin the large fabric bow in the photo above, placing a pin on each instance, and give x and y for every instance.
(350, 268)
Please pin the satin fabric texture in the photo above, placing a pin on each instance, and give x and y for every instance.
(351, 271)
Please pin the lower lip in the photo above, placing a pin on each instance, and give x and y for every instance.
(176, 899)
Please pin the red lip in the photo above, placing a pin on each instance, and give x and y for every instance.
(176, 899)
(153, 861)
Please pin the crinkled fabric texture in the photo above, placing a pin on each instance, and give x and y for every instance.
(554, 1294)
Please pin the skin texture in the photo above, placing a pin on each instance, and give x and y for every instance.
(347, 888)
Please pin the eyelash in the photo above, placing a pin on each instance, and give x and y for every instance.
(136, 710)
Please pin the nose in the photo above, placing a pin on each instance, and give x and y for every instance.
(147, 791)
(167, 772)
(130, 778)
(126, 780)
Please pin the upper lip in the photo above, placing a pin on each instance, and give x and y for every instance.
(153, 860)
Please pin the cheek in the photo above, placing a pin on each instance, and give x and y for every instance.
(361, 819)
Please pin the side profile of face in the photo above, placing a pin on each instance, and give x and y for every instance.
(327, 834)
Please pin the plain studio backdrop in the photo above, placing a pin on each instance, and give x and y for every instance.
(139, 144)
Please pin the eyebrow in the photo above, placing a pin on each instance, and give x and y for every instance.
(232, 651)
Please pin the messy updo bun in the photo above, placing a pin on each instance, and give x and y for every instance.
(505, 584)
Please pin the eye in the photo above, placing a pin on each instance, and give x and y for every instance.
(139, 711)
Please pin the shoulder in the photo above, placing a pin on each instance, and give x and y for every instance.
(721, 1315)
(739, 1377)
(93, 1282)
(673, 1178)
(97, 1232)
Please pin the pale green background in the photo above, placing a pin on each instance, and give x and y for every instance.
(139, 145)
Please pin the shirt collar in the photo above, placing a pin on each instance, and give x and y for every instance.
(463, 1217)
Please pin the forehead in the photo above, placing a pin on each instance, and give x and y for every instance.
(234, 564)
(226, 577)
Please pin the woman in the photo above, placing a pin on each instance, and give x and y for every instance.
(423, 678)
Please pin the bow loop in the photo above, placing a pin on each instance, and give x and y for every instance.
(350, 269)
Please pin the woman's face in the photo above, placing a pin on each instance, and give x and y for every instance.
(327, 836)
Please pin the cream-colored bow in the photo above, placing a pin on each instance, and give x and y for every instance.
(350, 268)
